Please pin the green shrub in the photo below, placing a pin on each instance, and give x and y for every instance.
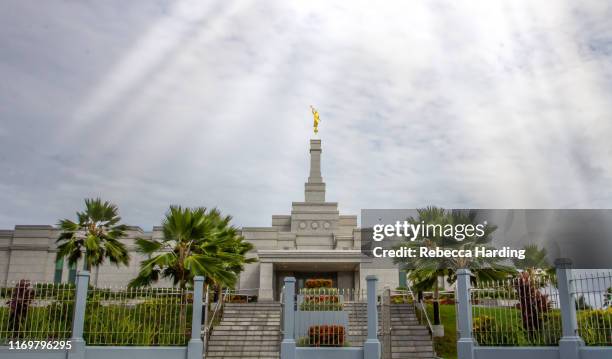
(162, 320)
(154, 322)
(320, 299)
(400, 299)
(317, 291)
(593, 324)
(488, 331)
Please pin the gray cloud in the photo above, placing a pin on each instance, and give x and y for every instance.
(488, 104)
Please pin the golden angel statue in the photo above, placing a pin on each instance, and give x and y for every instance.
(315, 114)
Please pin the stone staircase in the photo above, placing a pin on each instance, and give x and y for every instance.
(250, 330)
(409, 339)
(358, 322)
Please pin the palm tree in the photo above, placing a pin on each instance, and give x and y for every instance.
(95, 235)
(425, 273)
(195, 242)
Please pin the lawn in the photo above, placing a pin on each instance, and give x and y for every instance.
(446, 346)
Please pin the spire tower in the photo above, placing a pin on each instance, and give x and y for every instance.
(315, 187)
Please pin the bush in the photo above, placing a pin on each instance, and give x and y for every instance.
(400, 299)
(593, 324)
(317, 291)
(551, 331)
(326, 336)
(318, 299)
(318, 283)
(20, 302)
(321, 299)
(487, 331)
(160, 321)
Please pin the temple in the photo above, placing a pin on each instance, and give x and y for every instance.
(314, 241)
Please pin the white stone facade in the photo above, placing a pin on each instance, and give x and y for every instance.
(315, 240)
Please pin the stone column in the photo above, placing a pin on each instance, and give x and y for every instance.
(570, 343)
(266, 280)
(371, 347)
(315, 187)
(465, 343)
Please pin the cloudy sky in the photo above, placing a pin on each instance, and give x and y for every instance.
(496, 104)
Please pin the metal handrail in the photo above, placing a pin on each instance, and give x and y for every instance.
(419, 304)
(211, 320)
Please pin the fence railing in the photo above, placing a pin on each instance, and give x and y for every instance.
(322, 316)
(593, 296)
(138, 316)
(542, 316)
(36, 311)
(519, 311)
(526, 310)
(90, 316)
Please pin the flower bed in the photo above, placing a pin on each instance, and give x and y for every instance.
(318, 283)
(324, 336)
(319, 296)
(237, 298)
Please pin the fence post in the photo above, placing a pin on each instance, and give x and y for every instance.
(371, 347)
(288, 343)
(195, 347)
(385, 311)
(465, 343)
(570, 342)
(78, 319)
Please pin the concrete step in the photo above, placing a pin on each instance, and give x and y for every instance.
(250, 330)
(243, 354)
(244, 342)
(254, 327)
(409, 339)
(245, 332)
(412, 355)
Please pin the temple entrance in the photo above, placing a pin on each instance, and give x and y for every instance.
(347, 277)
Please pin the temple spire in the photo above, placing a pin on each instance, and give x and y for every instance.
(315, 187)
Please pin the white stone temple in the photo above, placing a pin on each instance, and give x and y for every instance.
(313, 241)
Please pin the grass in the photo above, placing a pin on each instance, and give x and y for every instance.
(446, 346)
